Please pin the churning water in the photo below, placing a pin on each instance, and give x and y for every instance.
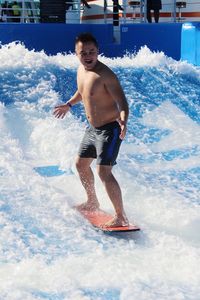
(47, 251)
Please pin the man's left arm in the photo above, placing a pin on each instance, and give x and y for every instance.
(118, 95)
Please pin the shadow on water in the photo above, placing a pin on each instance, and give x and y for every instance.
(136, 236)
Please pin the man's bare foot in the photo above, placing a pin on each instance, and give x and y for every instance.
(89, 206)
(117, 222)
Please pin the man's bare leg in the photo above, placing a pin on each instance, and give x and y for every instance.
(114, 192)
(87, 179)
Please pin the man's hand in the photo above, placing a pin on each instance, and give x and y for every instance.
(123, 129)
(61, 110)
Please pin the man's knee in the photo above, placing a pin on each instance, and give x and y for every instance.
(79, 164)
(104, 172)
(82, 164)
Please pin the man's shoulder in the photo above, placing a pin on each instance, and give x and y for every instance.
(106, 71)
(109, 76)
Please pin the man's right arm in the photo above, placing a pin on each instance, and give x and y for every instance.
(61, 110)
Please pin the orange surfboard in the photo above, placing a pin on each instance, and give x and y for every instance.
(99, 217)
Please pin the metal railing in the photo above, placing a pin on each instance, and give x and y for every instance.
(136, 11)
(111, 12)
(25, 15)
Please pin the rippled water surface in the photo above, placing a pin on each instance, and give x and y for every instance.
(47, 251)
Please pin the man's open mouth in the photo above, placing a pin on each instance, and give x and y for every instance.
(88, 62)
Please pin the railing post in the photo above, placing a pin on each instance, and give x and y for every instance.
(174, 11)
(124, 11)
(143, 11)
(23, 12)
(105, 11)
(79, 10)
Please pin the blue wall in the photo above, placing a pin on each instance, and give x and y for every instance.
(53, 38)
(190, 43)
(174, 39)
(164, 37)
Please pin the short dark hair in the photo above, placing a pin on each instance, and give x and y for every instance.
(86, 37)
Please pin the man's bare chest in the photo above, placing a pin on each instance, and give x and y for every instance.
(90, 85)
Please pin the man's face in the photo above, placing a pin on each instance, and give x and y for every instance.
(87, 54)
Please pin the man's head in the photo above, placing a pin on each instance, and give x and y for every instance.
(86, 48)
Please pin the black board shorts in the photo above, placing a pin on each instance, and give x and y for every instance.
(102, 143)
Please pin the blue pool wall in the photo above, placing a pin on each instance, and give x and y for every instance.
(176, 40)
(190, 43)
(157, 37)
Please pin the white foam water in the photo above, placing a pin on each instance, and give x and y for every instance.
(47, 250)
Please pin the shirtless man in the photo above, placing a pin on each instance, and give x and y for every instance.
(107, 111)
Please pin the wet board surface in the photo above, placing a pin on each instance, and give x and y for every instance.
(100, 217)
